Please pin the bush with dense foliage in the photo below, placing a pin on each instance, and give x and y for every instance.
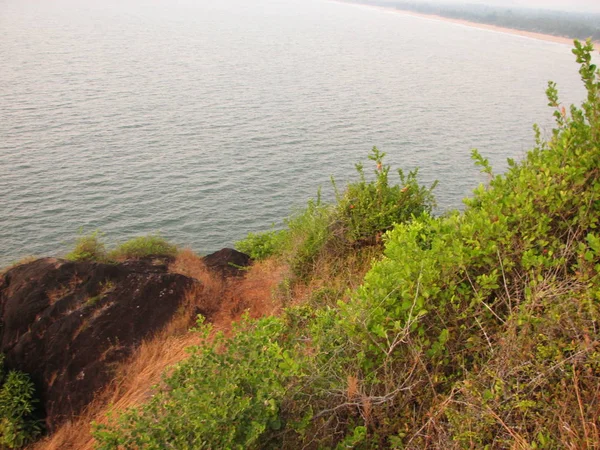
(240, 381)
(263, 245)
(18, 425)
(361, 214)
(88, 248)
(367, 209)
(478, 329)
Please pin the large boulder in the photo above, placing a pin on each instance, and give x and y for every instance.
(227, 262)
(67, 324)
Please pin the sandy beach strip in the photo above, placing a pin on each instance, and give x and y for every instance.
(483, 26)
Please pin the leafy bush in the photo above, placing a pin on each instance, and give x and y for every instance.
(228, 394)
(468, 295)
(361, 214)
(88, 248)
(309, 230)
(368, 208)
(142, 247)
(18, 426)
(261, 246)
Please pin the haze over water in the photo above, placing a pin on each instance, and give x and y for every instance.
(206, 120)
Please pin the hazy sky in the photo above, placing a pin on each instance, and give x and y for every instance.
(564, 5)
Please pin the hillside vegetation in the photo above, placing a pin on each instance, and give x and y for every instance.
(472, 330)
(570, 24)
(399, 329)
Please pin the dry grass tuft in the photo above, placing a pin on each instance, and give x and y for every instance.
(352, 387)
(210, 295)
(55, 295)
(190, 264)
(253, 294)
(333, 278)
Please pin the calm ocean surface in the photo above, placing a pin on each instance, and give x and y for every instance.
(208, 119)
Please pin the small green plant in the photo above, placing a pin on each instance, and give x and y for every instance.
(106, 285)
(93, 300)
(261, 246)
(142, 247)
(308, 233)
(88, 248)
(18, 425)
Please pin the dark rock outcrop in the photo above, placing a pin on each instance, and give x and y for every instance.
(67, 324)
(227, 262)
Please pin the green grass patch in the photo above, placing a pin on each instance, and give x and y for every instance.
(263, 245)
(88, 248)
(143, 247)
(91, 248)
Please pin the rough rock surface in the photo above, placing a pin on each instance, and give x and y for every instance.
(67, 324)
(227, 262)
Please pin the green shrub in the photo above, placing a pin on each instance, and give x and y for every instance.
(467, 295)
(228, 394)
(88, 248)
(261, 246)
(361, 214)
(366, 209)
(18, 426)
(142, 247)
(308, 231)
(91, 248)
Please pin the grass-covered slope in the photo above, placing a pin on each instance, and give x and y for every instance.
(473, 330)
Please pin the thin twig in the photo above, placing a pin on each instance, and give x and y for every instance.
(375, 400)
(481, 300)
(485, 334)
(440, 409)
(406, 329)
(583, 421)
(505, 283)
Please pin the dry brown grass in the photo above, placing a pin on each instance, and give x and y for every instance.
(56, 294)
(135, 377)
(335, 277)
(191, 265)
(132, 386)
(252, 294)
(229, 299)
(353, 387)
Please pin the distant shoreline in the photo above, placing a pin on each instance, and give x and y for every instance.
(480, 25)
